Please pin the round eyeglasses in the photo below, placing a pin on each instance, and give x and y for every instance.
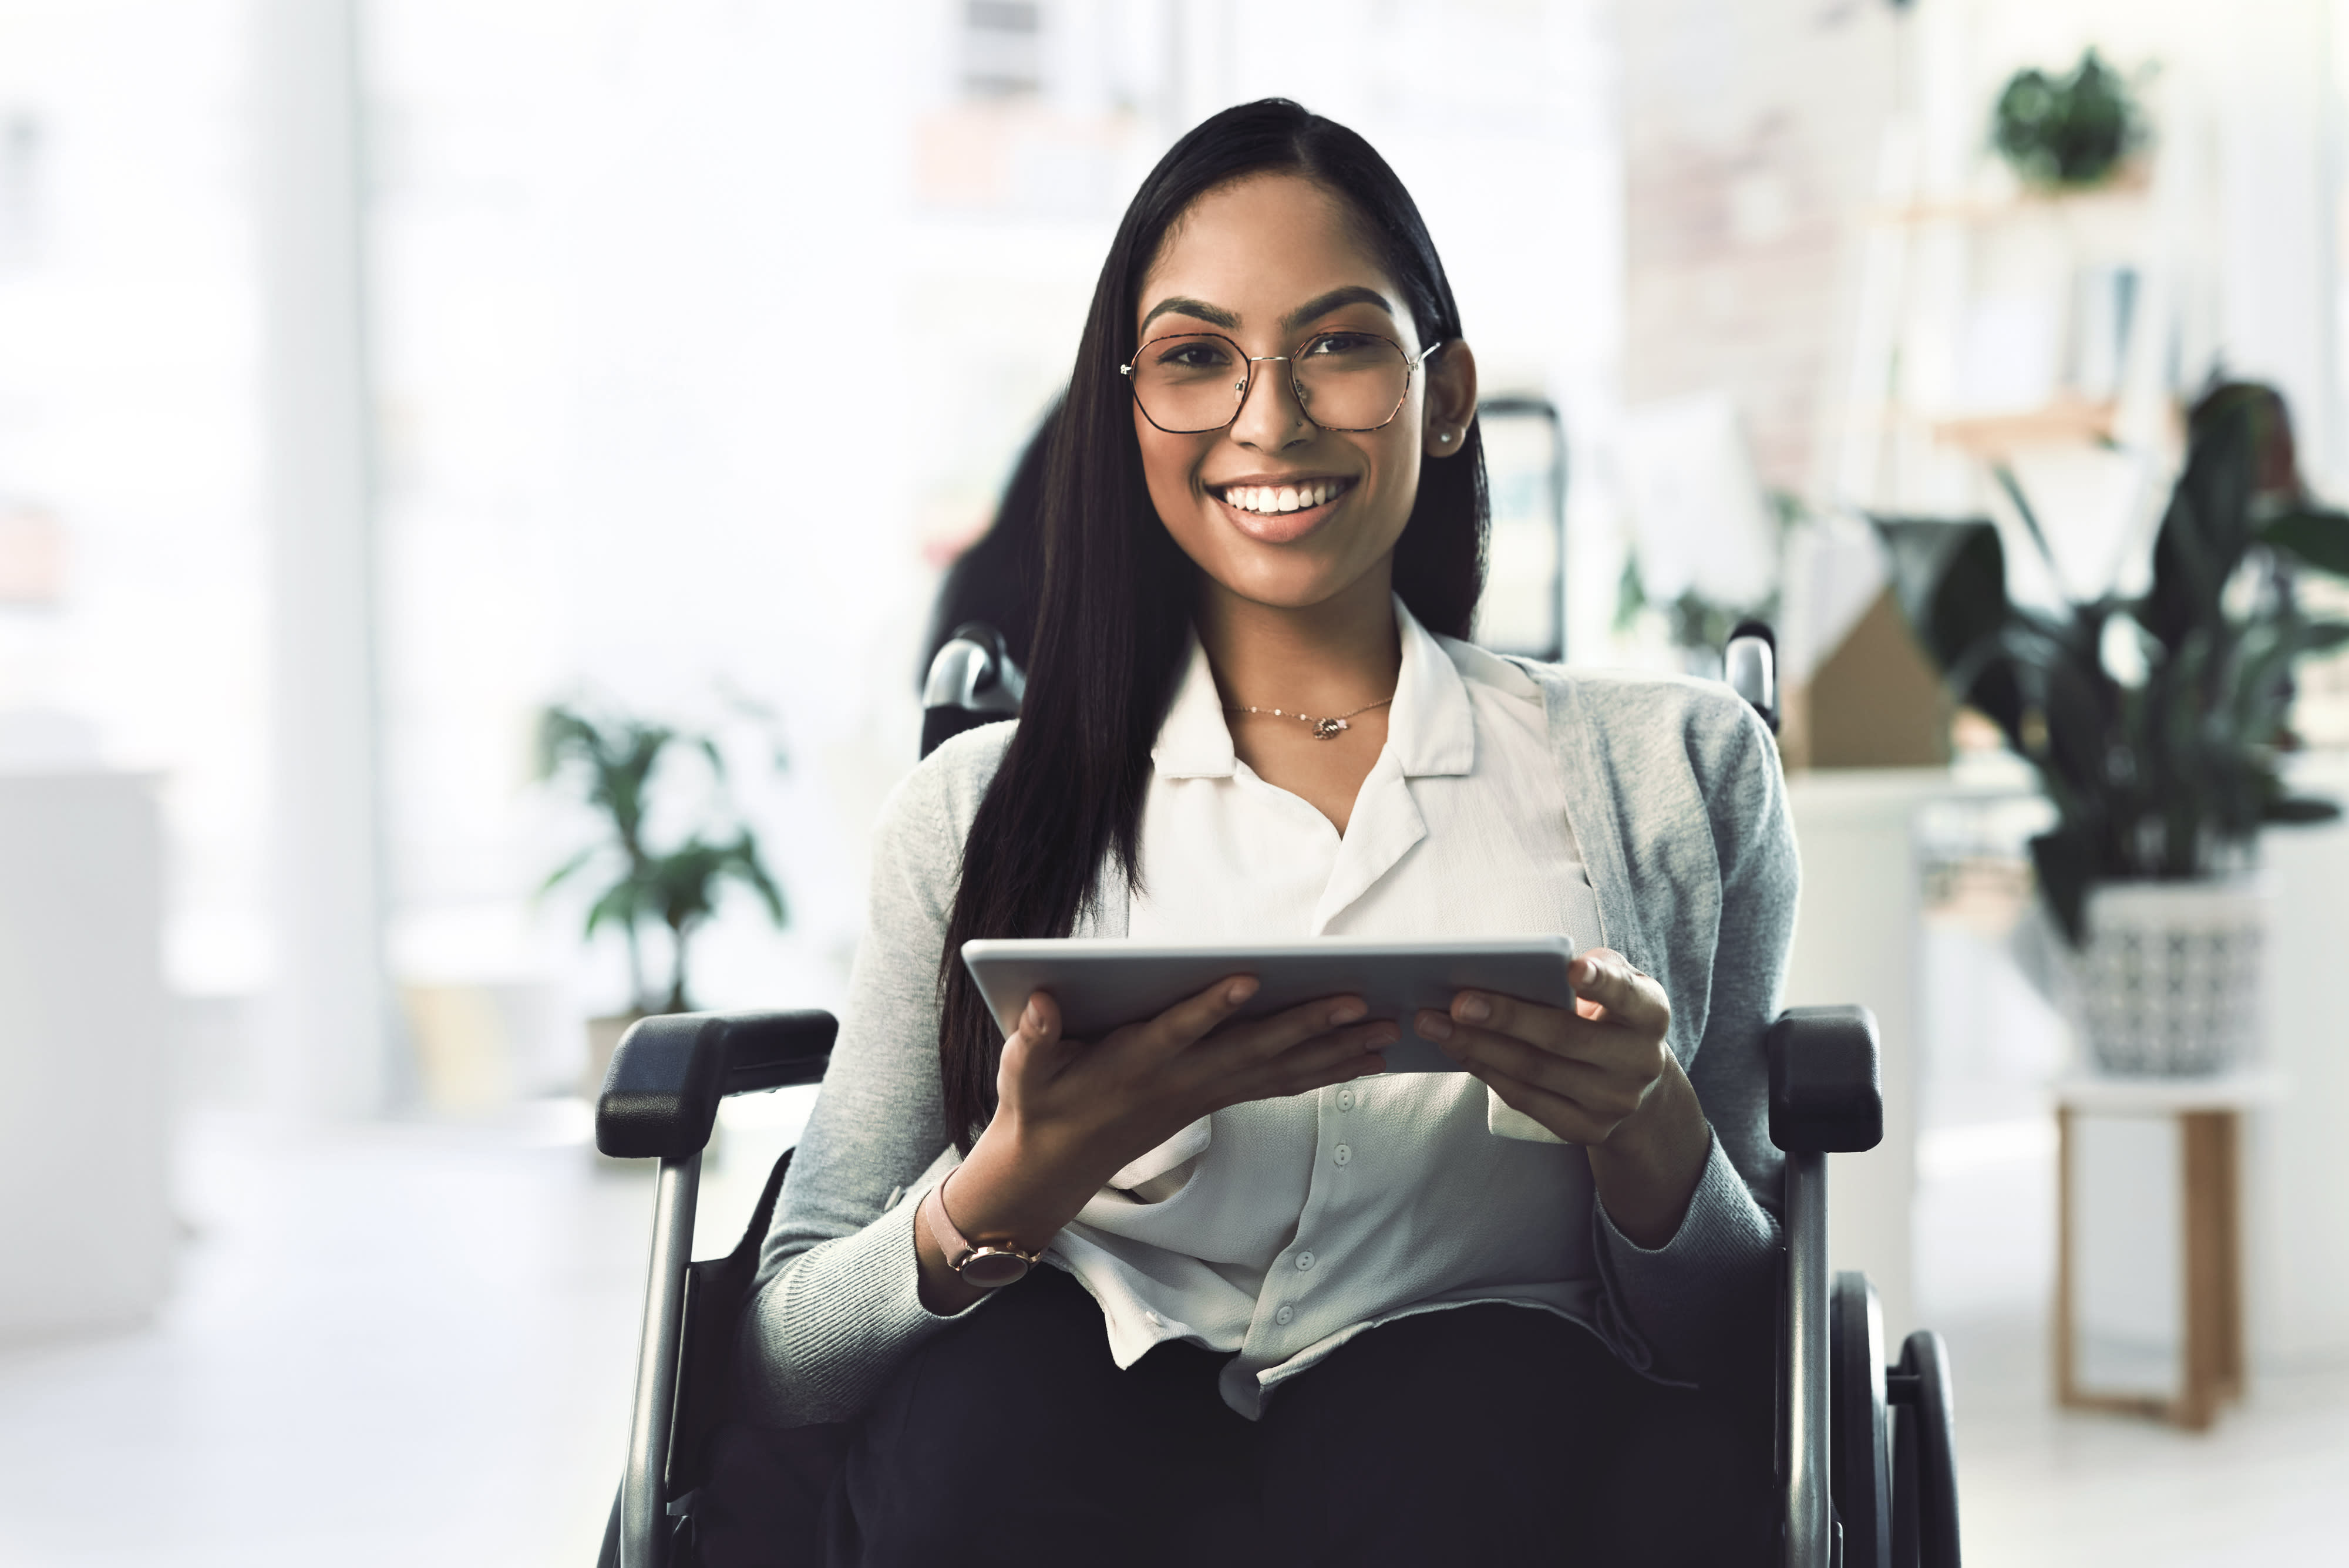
(1188, 383)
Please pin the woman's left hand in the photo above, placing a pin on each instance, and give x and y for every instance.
(1598, 1074)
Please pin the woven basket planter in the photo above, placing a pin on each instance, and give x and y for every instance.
(2169, 980)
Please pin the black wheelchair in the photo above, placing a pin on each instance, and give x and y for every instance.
(1866, 1451)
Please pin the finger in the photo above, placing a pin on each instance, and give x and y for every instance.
(1039, 1020)
(1190, 1019)
(1568, 1117)
(1334, 1058)
(1028, 1045)
(1602, 1089)
(1530, 1020)
(1560, 1033)
(1261, 1039)
(1605, 977)
(1241, 1069)
(1603, 1043)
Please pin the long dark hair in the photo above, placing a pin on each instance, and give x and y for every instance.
(1113, 619)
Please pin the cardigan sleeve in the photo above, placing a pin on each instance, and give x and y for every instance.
(837, 1306)
(1703, 1301)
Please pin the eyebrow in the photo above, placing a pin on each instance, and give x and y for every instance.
(1352, 294)
(1177, 305)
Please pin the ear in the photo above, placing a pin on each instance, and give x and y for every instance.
(1451, 373)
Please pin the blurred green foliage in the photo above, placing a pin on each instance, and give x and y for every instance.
(612, 761)
(2154, 724)
(2066, 130)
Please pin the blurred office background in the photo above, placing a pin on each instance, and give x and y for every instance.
(376, 373)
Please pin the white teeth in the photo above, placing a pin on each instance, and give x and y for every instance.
(1264, 499)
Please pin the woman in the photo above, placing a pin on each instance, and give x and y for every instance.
(1286, 1309)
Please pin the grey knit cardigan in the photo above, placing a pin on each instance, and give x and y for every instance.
(1675, 798)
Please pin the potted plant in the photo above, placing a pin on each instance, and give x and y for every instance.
(2155, 724)
(612, 761)
(2066, 132)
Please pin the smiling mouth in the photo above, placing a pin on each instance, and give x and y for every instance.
(1272, 500)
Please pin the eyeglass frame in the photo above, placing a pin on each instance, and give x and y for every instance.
(1410, 369)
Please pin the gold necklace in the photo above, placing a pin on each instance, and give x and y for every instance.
(1324, 729)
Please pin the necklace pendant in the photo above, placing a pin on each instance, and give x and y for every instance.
(1327, 729)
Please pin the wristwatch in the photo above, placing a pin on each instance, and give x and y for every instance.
(988, 1268)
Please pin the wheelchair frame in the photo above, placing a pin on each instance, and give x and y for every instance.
(1866, 1453)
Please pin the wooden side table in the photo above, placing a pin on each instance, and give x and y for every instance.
(2209, 1116)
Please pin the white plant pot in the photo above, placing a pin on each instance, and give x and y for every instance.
(2169, 979)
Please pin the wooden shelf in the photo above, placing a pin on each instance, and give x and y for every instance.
(2067, 421)
(2132, 181)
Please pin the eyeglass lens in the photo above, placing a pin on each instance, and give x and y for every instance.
(1345, 380)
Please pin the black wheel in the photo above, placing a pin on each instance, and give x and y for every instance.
(1925, 1454)
(1860, 1469)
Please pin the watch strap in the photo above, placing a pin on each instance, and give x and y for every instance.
(998, 1259)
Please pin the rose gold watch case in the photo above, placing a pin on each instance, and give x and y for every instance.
(992, 1268)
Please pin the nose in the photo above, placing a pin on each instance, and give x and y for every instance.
(1271, 417)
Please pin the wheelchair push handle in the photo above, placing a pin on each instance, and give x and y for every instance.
(972, 681)
(1749, 662)
(660, 1098)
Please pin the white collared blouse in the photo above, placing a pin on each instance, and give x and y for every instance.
(1642, 812)
(1279, 1229)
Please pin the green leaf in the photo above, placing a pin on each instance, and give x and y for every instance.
(2302, 809)
(2209, 527)
(617, 906)
(2061, 862)
(1950, 580)
(747, 867)
(2325, 636)
(569, 869)
(2319, 539)
(2014, 488)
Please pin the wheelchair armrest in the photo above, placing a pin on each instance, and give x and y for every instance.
(1825, 1095)
(660, 1098)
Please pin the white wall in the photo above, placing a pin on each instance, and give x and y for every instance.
(705, 331)
(130, 410)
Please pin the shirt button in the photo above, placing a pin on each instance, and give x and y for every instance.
(1345, 1099)
(1342, 1154)
(1153, 1319)
(1283, 1316)
(1304, 1261)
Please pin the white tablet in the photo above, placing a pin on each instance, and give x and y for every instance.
(1104, 983)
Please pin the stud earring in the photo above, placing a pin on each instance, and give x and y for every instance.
(1443, 436)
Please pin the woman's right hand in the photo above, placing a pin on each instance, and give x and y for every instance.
(1071, 1114)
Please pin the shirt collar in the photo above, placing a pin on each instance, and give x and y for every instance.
(1430, 729)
